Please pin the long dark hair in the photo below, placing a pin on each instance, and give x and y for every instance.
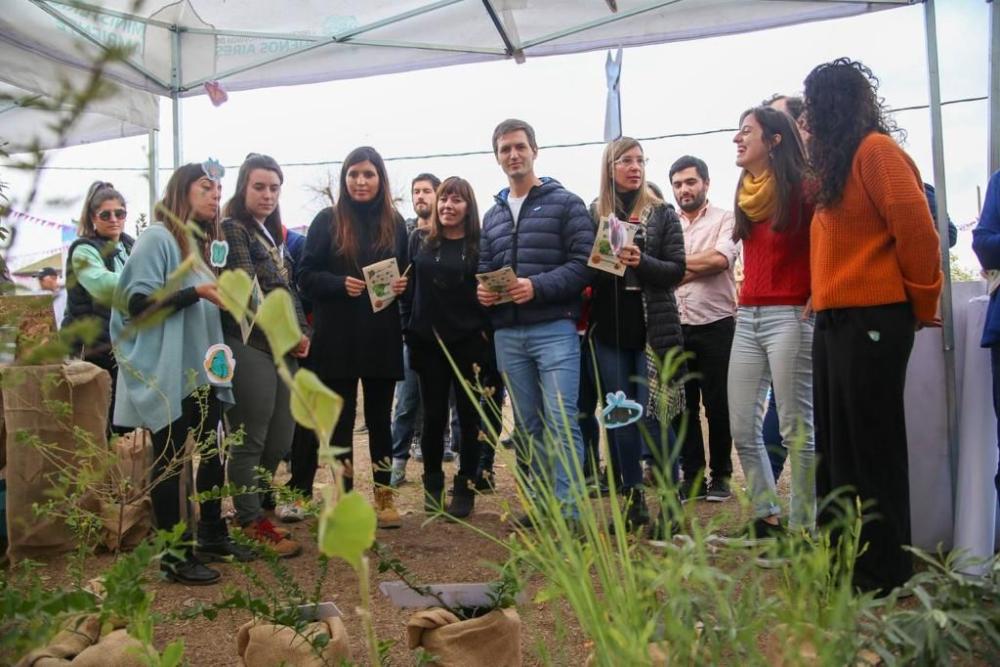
(842, 108)
(98, 193)
(345, 236)
(453, 185)
(174, 210)
(236, 207)
(787, 165)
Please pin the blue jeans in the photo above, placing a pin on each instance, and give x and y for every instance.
(590, 430)
(541, 368)
(774, 344)
(776, 452)
(625, 370)
(406, 414)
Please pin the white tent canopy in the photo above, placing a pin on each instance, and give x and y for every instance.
(179, 45)
(37, 91)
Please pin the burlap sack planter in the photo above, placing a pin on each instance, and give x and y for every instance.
(263, 644)
(784, 648)
(33, 396)
(81, 644)
(128, 516)
(493, 638)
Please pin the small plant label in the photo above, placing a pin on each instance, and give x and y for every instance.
(219, 254)
(620, 411)
(378, 279)
(220, 364)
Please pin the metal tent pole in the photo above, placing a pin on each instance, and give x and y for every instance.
(948, 326)
(154, 168)
(175, 85)
(993, 90)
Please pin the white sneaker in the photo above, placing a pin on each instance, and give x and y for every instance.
(290, 512)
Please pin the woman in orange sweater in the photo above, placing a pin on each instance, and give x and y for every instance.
(876, 278)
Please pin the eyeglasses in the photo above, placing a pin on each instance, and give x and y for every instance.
(105, 216)
(631, 161)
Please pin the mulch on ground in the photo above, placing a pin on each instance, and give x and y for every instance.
(435, 552)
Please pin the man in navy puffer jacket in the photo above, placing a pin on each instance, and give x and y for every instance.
(545, 234)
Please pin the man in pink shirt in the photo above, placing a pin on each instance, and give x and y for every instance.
(706, 300)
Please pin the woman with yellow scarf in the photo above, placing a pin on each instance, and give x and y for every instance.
(774, 325)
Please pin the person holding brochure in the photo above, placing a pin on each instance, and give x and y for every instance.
(543, 233)
(443, 311)
(252, 227)
(353, 338)
(633, 309)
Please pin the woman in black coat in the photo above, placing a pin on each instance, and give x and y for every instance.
(351, 341)
(634, 318)
(442, 310)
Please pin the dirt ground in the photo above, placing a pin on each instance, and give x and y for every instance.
(436, 552)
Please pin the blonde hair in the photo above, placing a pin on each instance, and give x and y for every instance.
(607, 200)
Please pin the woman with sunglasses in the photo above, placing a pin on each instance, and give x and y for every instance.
(93, 266)
(263, 410)
(175, 373)
(441, 309)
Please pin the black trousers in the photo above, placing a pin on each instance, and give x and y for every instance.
(200, 417)
(378, 406)
(710, 344)
(859, 371)
(492, 381)
(437, 380)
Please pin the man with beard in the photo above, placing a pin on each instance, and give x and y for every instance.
(706, 299)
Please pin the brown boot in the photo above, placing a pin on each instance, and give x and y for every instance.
(262, 530)
(385, 508)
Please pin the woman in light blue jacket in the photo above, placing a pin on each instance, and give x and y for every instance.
(174, 374)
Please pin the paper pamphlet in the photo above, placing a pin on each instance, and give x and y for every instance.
(378, 279)
(499, 282)
(249, 318)
(612, 235)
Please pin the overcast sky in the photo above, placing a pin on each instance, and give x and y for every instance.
(674, 88)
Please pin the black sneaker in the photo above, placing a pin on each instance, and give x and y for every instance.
(635, 510)
(484, 482)
(758, 533)
(599, 485)
(663, 528)
(190, 572)
(718, 490)
(688, 491)
(224, 550)
(268, 503)
(523, 521)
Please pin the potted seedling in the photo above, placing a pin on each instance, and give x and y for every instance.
(457, 624)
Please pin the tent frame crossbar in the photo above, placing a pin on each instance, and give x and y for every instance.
(69, 23)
